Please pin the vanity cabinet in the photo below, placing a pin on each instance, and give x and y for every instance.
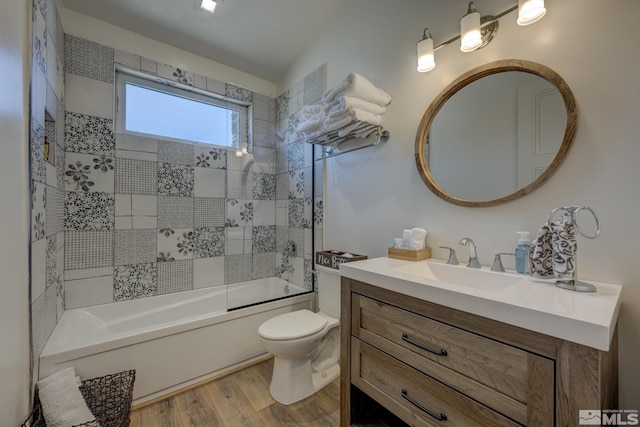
(431, 365)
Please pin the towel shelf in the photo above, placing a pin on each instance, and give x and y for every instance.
(330, 140)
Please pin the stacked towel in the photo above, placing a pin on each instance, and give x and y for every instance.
(354, 108)
(62, 401)
(554, 250)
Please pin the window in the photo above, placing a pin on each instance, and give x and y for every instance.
(160, 108)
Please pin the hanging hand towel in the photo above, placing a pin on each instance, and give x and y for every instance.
(541, 255)
(359, 87)
(565, 247)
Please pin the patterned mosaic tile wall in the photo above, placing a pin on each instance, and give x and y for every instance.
(145, 217)
(299, 206)
(47, 162)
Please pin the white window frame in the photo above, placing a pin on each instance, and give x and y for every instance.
(124, 76)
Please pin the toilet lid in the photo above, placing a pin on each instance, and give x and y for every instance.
(296, 324)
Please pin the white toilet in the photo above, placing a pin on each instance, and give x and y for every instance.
(305, 345)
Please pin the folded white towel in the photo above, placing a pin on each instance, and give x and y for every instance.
(62, 401)
(343, 104)
(352, 116)
(357, 130)
(311, 111)
(310, 125)
(313, 118)
(359, 87)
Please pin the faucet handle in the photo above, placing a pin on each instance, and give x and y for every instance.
(453, 260)
(497, 262)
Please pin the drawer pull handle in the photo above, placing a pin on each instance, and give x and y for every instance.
(441, 417)
(441, 352)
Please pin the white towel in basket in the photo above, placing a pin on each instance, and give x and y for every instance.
(62, 401)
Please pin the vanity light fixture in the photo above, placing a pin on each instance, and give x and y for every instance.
(477, 31)
(425, 52)
(207, 5)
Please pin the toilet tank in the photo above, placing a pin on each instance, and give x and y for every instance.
(329, 291)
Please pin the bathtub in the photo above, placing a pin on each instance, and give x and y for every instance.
(172, 340)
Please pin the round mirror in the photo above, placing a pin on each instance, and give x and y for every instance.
(496, 133)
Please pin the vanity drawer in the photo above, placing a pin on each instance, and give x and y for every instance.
(413, 396)
(491, 372)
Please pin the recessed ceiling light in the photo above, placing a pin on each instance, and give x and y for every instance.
(208, 5)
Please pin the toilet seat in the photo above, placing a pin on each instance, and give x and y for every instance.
(294, 325)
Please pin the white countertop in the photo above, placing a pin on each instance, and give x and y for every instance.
(537, 305)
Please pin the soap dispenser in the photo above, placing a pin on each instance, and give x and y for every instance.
(522, 253)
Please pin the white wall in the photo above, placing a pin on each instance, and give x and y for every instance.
(14, 211)
(371, 195)
(100, 32)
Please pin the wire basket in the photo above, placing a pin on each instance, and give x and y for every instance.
(108, 398)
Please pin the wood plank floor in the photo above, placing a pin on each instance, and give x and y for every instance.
(241, 399)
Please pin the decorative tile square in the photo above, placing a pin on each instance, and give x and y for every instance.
(175, 276)
(128, 59)
(88, 59)
(282, 186)
(308, 275)
(239, 185)
(282, 213)
(210, 182)
(295, 155)
(148, 65)
(207, 156)
(175, 74)
(209, 242)
(282, 236)
(175, 244)
(264, 134)
(308, 182)
(264, 238)
(88, 96)
(88, 249)
(318, 212)
(239, 93)
(60, 155)
(282, 159)
(239, 213)
(296, 213)
(264, 212)
(85, 172)
(140, 144)
(209, 212)
(264, 265)
(208, 272)
(55, 211)
(89, 134)
(52, 260)
(238, 268)
(175, 212)
(38, 169)
(38, 211)
(215, 86)
(296, 184)
(264, 108)
(308, 212)
(176, 153)
(282, 106)
(175, 180)
(89, 211)
(144, 205)
(135, 281)
(88, 291)
(264, 186)
(135, 246)
(136, 177)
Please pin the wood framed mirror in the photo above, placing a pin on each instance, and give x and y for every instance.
(496, 133)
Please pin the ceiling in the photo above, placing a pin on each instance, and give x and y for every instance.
(259, 37)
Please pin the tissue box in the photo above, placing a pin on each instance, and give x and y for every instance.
(333, 258)
(410, 254)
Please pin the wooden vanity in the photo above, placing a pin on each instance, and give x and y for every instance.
(432, 365)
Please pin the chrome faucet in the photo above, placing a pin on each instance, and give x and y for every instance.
(473, 255)
(497, 262)
(453, 260)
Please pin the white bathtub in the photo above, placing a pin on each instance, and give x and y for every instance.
(171, 340)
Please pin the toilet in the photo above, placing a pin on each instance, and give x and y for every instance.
(305, 345)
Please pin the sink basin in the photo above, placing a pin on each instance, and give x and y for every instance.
(482, 279)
